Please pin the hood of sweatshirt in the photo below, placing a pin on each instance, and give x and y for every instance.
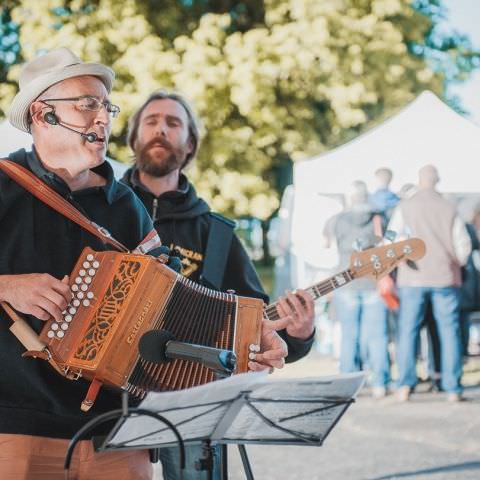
(180, 204)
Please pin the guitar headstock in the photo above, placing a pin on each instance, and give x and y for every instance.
(380, 261)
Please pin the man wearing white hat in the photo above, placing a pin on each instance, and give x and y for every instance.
(64, 103)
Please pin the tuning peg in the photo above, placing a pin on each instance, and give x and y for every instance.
(412, 264)
(390, 235)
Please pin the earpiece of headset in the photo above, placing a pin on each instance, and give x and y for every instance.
(50, 118)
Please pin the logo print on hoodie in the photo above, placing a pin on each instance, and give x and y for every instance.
(191, 260)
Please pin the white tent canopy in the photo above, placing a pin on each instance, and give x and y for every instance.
(12, 139)
(426, 131)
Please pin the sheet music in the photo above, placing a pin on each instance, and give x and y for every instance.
(184, 408)
(311, 419)
(307, 406)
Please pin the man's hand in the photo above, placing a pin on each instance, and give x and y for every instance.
(273, 349)
(300, 310)
(37, 294)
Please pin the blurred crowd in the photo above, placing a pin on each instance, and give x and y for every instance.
(427, 310)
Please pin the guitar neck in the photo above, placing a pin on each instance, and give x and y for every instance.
(316, 291)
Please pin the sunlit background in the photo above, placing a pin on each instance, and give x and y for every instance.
(274, 82)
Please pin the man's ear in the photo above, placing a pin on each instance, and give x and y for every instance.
(190, 145)
(37, 114)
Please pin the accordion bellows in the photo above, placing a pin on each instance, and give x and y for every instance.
(116, 297)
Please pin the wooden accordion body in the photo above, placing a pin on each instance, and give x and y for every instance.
(117, 297)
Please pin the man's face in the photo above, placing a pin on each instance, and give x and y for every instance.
(74, 115)
(163, 142)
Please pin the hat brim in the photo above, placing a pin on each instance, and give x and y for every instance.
(19, 109)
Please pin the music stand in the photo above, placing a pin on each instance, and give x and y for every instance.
(243, 409)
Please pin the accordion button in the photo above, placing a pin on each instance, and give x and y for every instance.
(86, 264)
(64, 326)
(90, 295)
(76, 303)
(74, 288)
(50, 334)
(84, 288)
(72, 310)
(88, 279)
(80, 295)
(95, 264)
(68, 318)
(82, 272)
(60, 334)
(92, 272)
(90, 257)
(252, 356)
(86, 303)
(252, 347)
(54, 326)
(78, 280)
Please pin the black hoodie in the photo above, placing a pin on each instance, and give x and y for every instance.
(183, 220)
(34, 398)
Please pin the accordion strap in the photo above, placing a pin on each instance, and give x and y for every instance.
(47, 195)
(216, 254)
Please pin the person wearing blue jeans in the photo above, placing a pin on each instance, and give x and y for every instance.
(363, 317)
(362, 314)
(446, 311)
(434, 278)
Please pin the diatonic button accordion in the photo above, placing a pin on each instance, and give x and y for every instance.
(117, 297)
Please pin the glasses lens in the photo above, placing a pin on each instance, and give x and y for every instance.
(114, 110)
(89, 103)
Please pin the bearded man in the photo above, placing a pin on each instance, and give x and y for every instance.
(164, 136)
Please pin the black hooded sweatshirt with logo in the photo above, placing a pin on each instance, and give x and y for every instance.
(183, 220)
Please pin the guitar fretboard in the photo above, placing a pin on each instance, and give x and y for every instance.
(316, 291)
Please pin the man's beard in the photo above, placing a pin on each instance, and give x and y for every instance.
(159, 165)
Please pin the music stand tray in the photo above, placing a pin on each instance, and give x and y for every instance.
(248, 408)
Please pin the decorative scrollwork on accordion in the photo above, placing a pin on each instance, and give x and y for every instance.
(108, 311)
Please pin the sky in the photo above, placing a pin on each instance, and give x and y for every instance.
(464, 16)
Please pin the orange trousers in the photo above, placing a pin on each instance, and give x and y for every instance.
(25, 457)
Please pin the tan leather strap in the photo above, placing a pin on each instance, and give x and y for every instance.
(29, 338)
(44, 193)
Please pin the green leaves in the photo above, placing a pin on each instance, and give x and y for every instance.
(273, 82)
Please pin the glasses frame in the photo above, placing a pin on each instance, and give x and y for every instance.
(112, 109)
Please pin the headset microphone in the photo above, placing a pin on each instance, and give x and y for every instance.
(52, 119)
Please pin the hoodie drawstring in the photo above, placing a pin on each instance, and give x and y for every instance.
(154, 210)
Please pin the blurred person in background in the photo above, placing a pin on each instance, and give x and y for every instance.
(470, 291)
(362, 314)
(435, 278)
(383, 200)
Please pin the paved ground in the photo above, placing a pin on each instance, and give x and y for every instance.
(425, 439)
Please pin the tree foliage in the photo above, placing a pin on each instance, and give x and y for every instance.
(273, 82)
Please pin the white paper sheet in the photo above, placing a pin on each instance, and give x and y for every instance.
(305, 406)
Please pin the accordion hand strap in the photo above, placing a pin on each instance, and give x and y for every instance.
(44, 193)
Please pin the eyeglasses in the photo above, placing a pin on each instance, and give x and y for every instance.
(87, 102)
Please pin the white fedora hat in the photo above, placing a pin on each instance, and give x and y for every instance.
(43, 72)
